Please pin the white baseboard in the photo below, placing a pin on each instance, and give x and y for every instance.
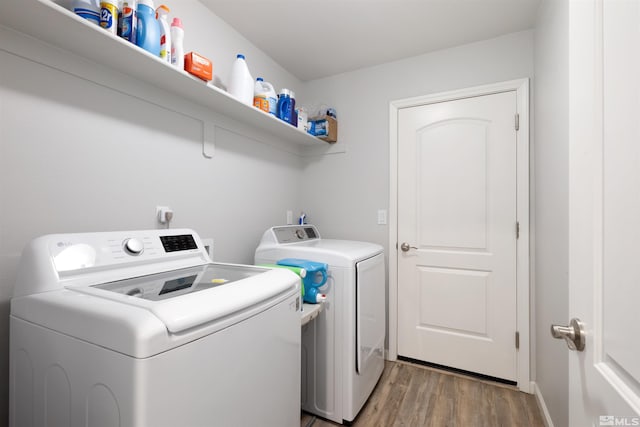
(543, 406)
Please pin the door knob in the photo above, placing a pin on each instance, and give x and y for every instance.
(572, 334)
(405, 247)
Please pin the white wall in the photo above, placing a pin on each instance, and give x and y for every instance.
(345, 191)
(348, 189)
(86, 149)
(551, 109)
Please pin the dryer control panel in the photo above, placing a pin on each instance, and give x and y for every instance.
(295, 233)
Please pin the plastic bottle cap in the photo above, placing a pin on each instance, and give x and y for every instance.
(241, 56)
(285, 92)
(259, 79)
(176, 23)
(162, 9)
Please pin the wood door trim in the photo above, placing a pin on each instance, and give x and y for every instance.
(521, 87)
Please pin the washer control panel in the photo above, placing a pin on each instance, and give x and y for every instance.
(55, 261)
(73, 252)
(295, 233)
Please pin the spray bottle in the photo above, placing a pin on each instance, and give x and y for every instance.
(165, 33)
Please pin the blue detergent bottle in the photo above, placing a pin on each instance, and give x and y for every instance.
(286, 106)
(316, 277)
(148, 31)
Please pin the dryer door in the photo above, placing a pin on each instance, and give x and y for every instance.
(370, 311)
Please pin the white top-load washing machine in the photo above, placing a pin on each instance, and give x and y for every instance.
(343, 348)
(140, 328)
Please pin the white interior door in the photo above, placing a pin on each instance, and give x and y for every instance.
(457, 218)
(604, 379)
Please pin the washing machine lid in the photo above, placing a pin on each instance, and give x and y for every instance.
(190, 297)
(178, 308)
(173, 284)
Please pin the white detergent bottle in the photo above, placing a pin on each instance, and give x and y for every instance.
(87, 9)
(177, 44)
(264, 96)
(240, 81)
(165, 33)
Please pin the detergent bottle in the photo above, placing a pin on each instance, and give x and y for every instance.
(87, 9)
(177, 44)
(315, 277)
(286, 106)
(128, 21)
(109, 16)
(148, 31)
(240, 81)
(165, 32)
(264, 96)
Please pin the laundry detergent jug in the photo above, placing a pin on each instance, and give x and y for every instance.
(264, 96)
(316, 277)
(148, 31)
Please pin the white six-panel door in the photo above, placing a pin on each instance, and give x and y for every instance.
(457, 215)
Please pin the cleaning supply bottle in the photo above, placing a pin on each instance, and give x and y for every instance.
(264, 96)
(294, 112)
(316, 276)
(87, 9)
(177, 44)
(109, 15)
(286, 106)
(128, 21)
(165, 32)
(148, 31)
(240, 81)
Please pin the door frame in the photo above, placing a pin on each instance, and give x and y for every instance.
(523, 308)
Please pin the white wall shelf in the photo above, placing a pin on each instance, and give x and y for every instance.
(55, 25)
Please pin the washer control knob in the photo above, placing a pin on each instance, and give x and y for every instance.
(300, 233)
(133, 246)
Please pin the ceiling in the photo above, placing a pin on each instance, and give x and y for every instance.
(318, 38)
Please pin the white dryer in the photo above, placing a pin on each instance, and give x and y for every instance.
(140, 329)
(343, 348)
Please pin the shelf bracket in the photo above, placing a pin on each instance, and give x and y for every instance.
(208, 139)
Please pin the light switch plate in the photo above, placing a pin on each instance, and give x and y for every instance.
(382, 217)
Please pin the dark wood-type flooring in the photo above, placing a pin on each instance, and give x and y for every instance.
(414, 395)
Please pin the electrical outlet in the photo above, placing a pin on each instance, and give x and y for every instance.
(289, 217)
(161, 213)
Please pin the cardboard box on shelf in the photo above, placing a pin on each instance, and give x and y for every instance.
(326, 128)
(199, 66)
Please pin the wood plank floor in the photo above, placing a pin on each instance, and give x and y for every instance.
(414, 395)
